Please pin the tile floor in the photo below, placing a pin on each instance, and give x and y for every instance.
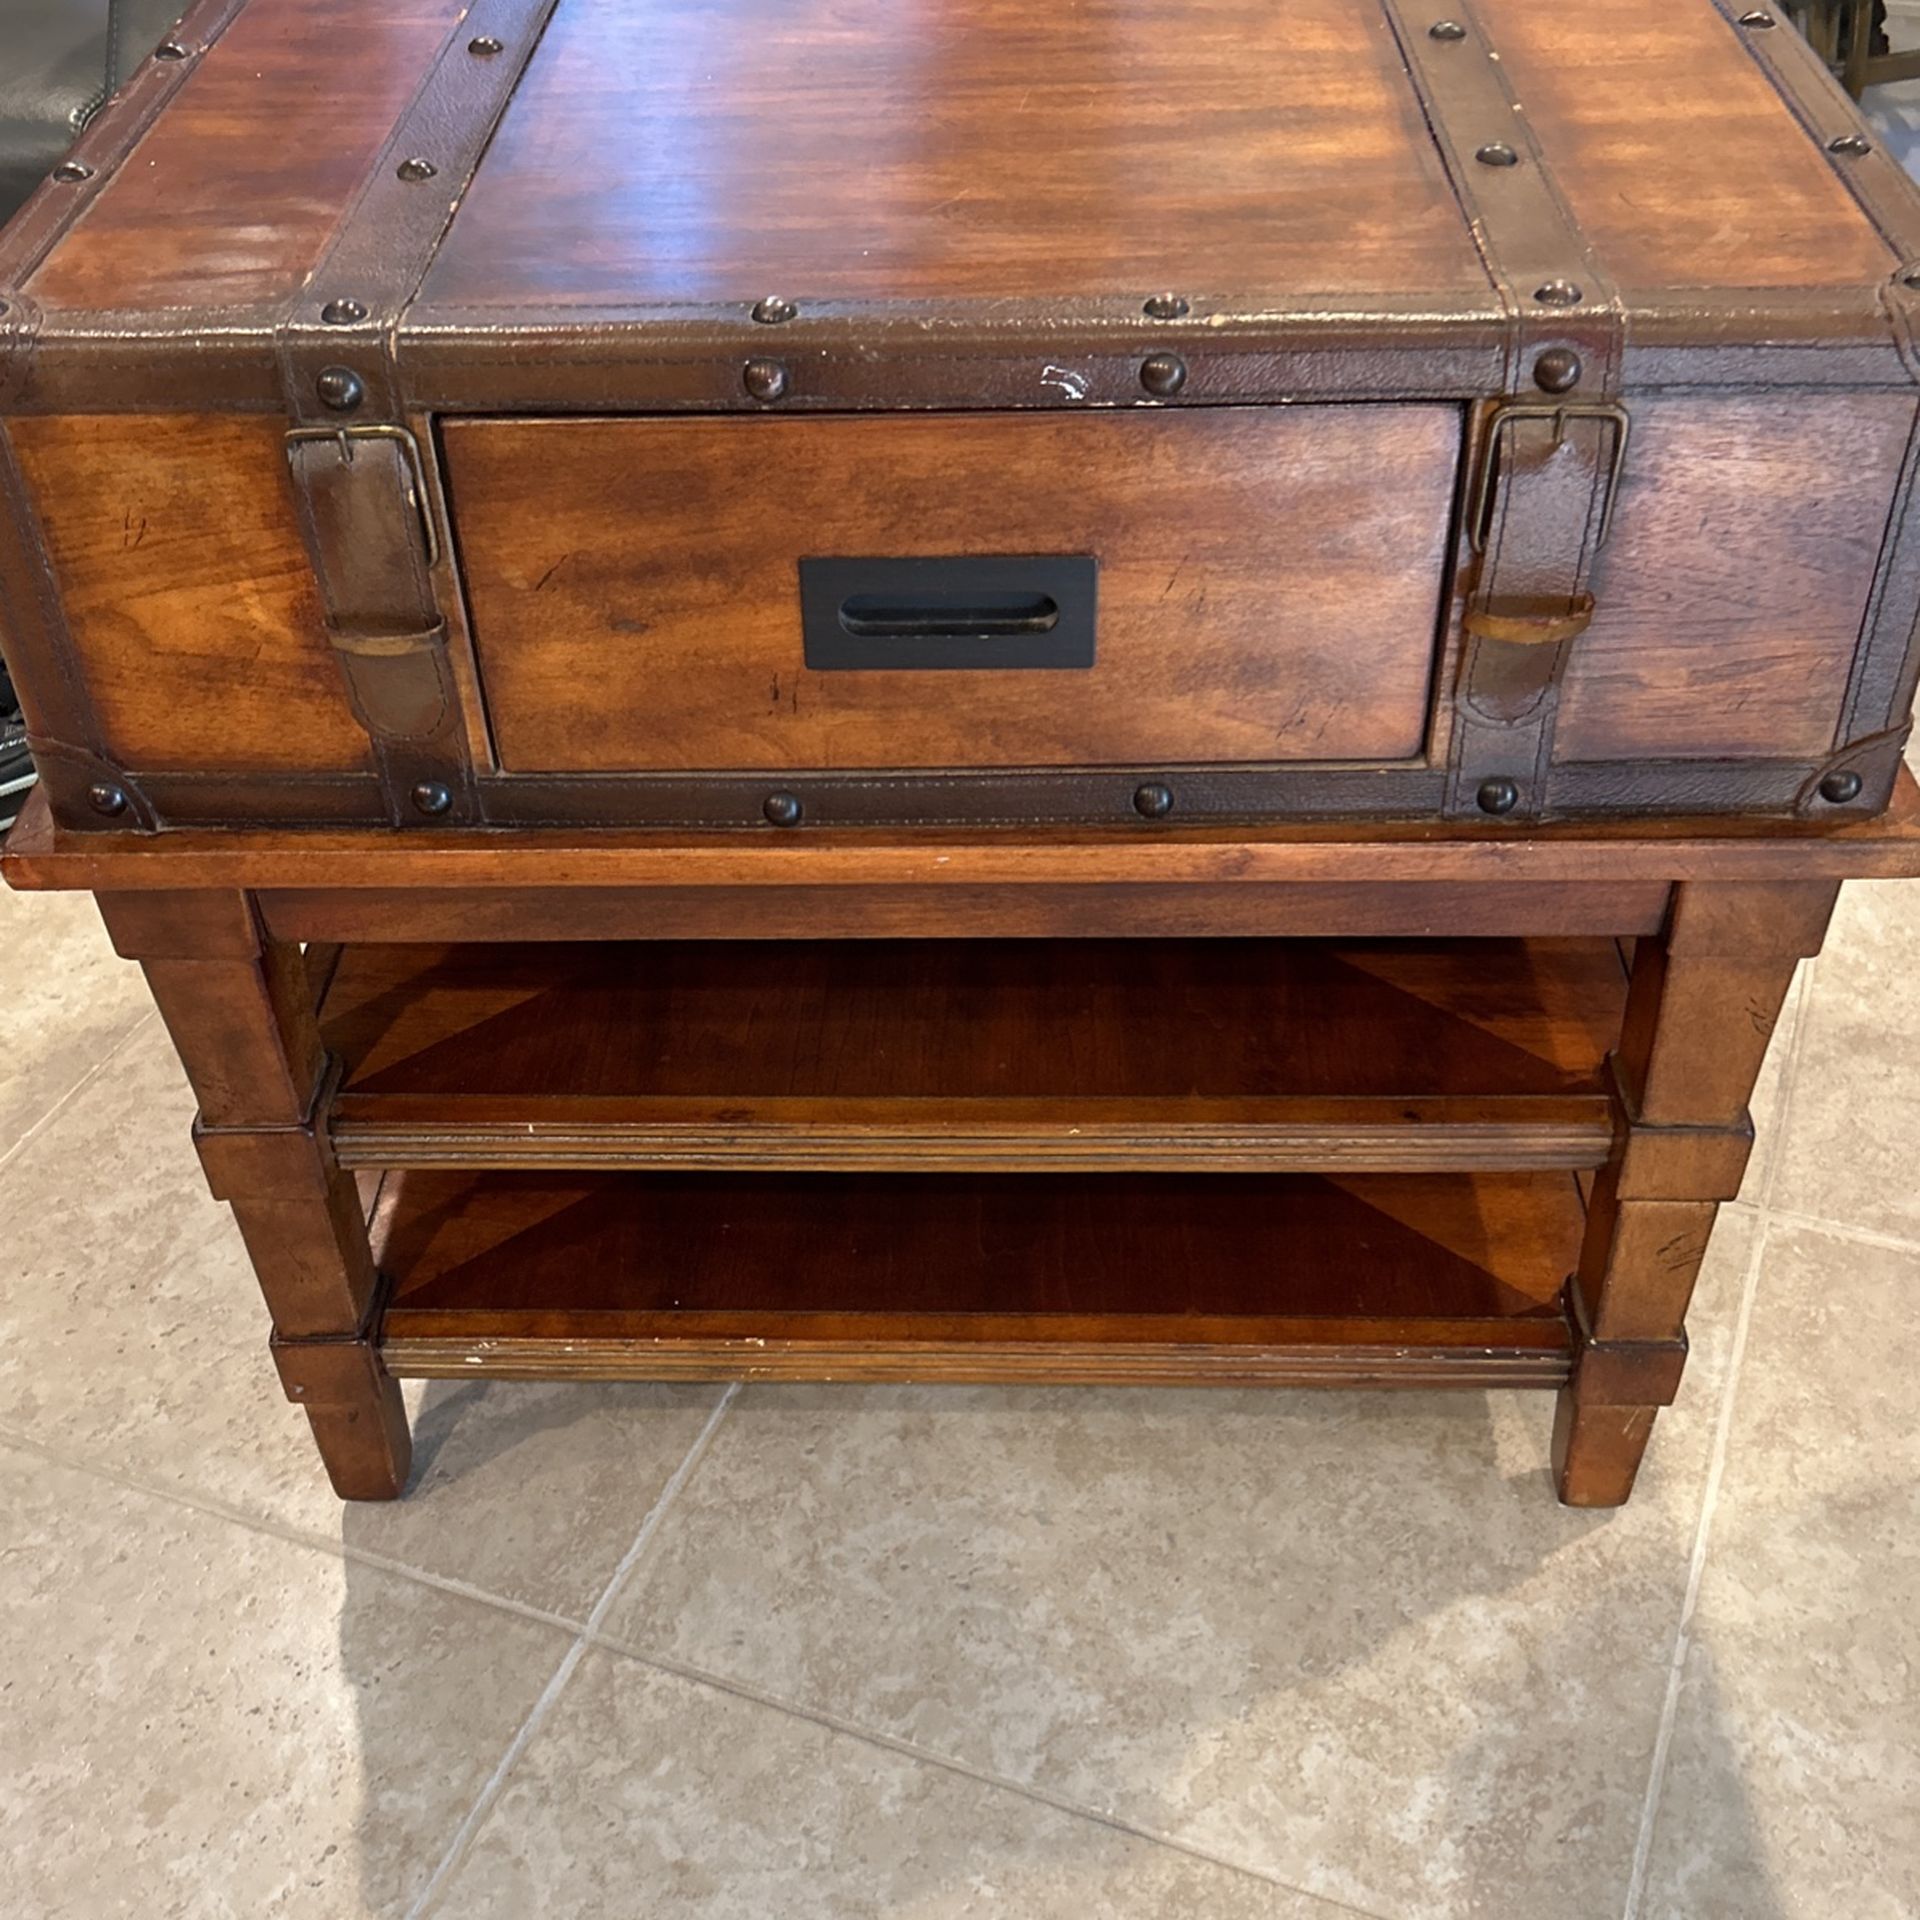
(812, 1654)
(793, 1652)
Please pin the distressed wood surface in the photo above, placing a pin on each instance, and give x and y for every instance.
(229, 199)
(912, 149)
(189, 594)
(1269, 584)
(1729, 599)
(1678, 157)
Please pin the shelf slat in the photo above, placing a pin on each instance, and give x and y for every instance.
(1221, 1055)
(1452, 1279)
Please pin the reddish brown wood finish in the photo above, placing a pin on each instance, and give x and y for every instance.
(1213, 1056)
(1128, 1280)
(189, 595)
(234, 192)
(240, 1011)
(906, 150)
(1679, 158)
(657, 563)
(1685, 657)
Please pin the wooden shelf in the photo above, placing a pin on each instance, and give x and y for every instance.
(1264, 1279)
(1214, 1055)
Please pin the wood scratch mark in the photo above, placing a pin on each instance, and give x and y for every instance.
(133, 530)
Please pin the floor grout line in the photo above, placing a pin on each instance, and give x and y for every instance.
(490, 1791)
(80, 1086)
(1839, 1230)
(213, 1509)
(1696, 1571)
(947, 1763)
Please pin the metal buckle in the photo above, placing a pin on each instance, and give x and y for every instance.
(1559, 412)
(410, 447)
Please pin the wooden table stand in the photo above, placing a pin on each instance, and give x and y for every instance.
(1327, 1106)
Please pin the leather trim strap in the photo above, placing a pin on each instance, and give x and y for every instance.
(1541, 494)
(357, 472)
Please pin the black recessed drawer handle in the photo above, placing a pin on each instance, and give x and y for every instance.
(988, 613)
(949, 616)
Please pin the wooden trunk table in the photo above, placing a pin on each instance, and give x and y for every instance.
(941, 690)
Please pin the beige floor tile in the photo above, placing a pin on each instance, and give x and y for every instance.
(132, 1335)
(208, 1722)
(69, 1000)
(1348, 1641)
(1846, 1151)
(1793, 1788)
(644, 1794)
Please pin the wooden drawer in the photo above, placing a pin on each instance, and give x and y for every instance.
(1269, 585)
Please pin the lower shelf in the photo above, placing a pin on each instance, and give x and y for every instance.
(1437, 1279)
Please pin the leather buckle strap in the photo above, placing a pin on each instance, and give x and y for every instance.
(360, 496)
(1540, 510)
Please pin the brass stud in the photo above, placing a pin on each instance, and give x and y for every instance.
(1154, 801)
(432, 797)
(1167, 306)
(1911, 277)
(416, 169)
(1499, 795)
(104, 797)
(1164, 374)
(1757, 19)
(1446, 30)
(170, 50)
(484, 46)
(1557, 370)
(773, 311)
(1496, 153)
(782, 809)
(1839, 788)
(1852, 145)
(340, 389)
(343, 313)
(71, 172)
(1559, 293)
(765, 379)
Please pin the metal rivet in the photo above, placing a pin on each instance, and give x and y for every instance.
(343, 313)
(1154, 801)
(1496, 153)
(432, 797)
(782, 809)
(1851, 144)
(1164, 374)
(1167, 306)
(1499, 795)
(773, 311)
(340, 389)
(765, 379)
(72, 172)
(416, 169)
(107, 798)
(1757, 19)
(1446, 30)
(1557, 370)
(170, 50)
(484, 47)
(1559, 293)
(1911, 278)
(1840, 787)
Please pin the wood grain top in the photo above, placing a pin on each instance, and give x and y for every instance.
(716, 150)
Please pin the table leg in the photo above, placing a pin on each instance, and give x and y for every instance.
(240, 1009)
(1701, 1008)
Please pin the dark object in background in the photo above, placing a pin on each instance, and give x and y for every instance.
(63, 59)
